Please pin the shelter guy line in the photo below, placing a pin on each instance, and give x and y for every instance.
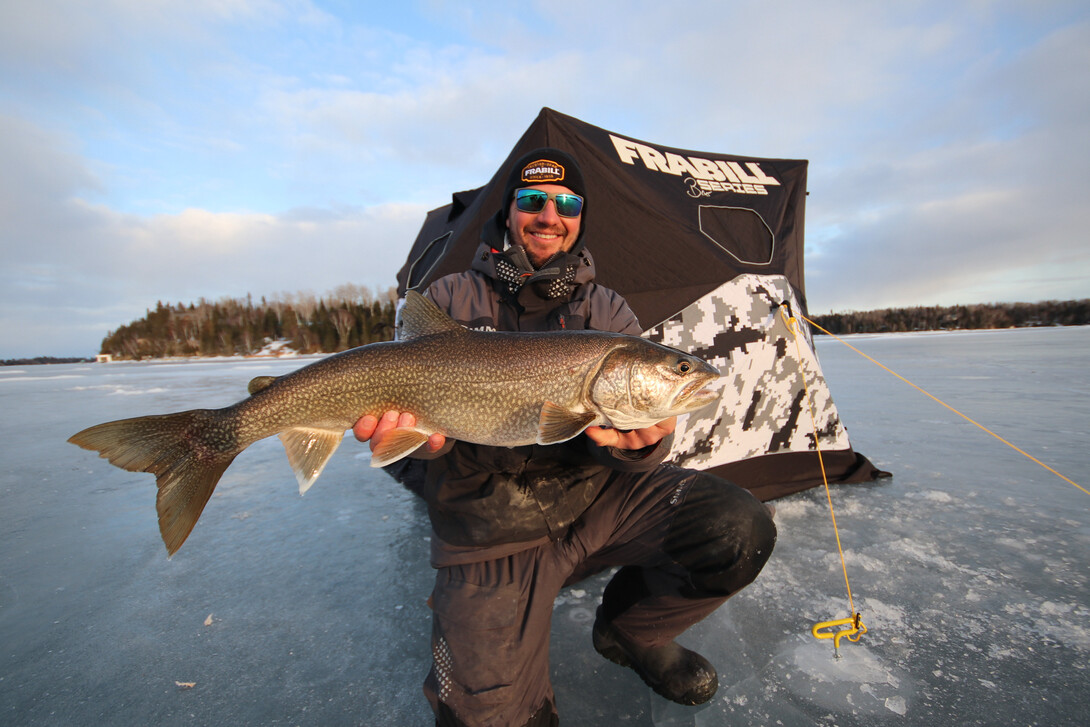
(940, 401)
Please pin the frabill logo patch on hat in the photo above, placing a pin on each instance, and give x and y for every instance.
(542, 171)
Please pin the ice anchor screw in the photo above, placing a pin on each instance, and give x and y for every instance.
(854, 631)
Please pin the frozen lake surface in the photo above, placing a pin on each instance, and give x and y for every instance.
(969, 566)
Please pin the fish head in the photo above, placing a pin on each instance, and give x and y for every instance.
(641, 383)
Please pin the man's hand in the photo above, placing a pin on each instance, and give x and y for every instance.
(634, 438)
(368, 428)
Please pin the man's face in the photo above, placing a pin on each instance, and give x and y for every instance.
(545, 233)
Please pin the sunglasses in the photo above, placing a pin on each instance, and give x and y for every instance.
(533, 201)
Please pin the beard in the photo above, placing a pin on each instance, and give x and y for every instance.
(538, 255)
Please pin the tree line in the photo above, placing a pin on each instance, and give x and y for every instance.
(958, 317)
(349, 316)
(36, 360)
(352, 316)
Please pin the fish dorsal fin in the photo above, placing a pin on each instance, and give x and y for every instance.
(259, 383)
(308, 451)
(421, 317)
(397, 443)
(558, 424)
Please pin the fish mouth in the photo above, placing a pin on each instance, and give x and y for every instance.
(696, 395)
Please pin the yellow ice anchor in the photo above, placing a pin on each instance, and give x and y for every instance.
(854, 631)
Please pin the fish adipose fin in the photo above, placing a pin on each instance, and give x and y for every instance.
(558, 424)
(420, 317)
(187, 452)
(308, 451)
(397, 443)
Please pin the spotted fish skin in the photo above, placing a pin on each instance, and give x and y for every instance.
(501, 389)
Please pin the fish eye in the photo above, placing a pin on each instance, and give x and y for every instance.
(683, 367)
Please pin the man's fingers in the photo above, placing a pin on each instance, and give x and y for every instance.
(364, 429)
(370, 428)
(634, 439)
(387, 422)
(603, 437)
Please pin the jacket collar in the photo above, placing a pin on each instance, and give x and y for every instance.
(509, 267)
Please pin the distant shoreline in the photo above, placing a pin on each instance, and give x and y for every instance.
(980, 316)
(286, 356)
(945, 332)
(171, 359)
(42, 360)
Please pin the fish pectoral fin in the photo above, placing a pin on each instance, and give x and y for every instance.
(558, 424)
(308, 451)
(397, 443)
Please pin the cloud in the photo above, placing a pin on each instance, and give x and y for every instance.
(125, 263)
(71, 263)
(988, 210)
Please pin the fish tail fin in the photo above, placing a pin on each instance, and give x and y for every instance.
(187, 452)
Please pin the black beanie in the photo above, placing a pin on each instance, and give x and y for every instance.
(543, 166)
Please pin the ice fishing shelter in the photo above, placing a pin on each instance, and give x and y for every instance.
(705, 247)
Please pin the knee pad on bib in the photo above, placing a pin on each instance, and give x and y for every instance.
(722, 536)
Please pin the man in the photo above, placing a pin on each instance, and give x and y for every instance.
(512, 526)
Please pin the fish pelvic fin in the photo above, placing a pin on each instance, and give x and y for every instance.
(421, 317)
(187, 452)
(308, 452)
(396, 444)
(558, 424)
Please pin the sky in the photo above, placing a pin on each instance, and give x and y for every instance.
(172, 151)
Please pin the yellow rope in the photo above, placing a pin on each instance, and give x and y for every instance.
(963, 416)
(855, 627)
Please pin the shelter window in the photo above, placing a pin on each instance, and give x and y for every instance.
(421, 267)
(740, 232)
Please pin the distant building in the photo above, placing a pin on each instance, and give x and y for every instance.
(104, 358)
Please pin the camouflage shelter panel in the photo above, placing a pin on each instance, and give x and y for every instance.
(773, 393)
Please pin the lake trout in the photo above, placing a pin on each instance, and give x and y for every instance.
(495, 388)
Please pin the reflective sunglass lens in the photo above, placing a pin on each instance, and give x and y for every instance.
(533, 201)
(568, 205)
(528, 200)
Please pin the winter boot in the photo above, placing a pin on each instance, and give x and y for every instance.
(673, 671)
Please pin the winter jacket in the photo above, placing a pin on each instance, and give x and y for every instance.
(504, 499)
